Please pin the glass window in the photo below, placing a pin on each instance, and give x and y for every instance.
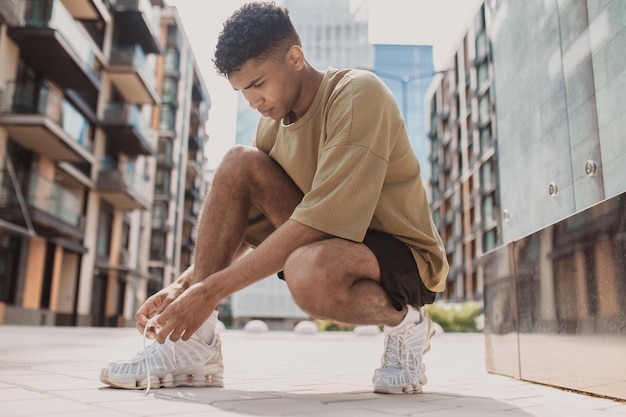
(488, 208)
(485, 139)
(165, 150)
(157, 247)
(105, 222)
(170, 90)
(159, 214)
(483, 108)
(168, 118)
(162, 182)
(489, 240)
(172, 60)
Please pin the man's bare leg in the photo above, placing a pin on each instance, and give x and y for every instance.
(245, 178)
(340, 280)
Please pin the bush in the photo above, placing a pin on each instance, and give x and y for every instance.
(453, 317)
(331, 326)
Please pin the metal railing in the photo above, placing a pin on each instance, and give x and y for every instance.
(133, 56)
(52, 14)
(45, 195)
(38, 98)
(128, 114)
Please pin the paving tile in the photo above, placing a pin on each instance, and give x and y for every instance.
(149, 406)
(54, 382)
(20, 394)
(43, 407)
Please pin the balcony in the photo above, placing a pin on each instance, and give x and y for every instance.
(126, 131)
(131, 75)
(125, 190)
(87, 9)
(41, 119)
(136, 24)
(54, 44)
(55, 211)
(194, 164)
(195, 143)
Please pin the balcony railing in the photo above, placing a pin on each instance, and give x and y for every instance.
(130, 177)
(38, 99)
(133, 56)
(44, 195)
(128, 115)
(52, 14)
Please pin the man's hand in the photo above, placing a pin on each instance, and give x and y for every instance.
(155, 305)
(182, 317)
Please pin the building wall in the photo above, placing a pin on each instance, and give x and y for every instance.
(560, 84)
(555, 290)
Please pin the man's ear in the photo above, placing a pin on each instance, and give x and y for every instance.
(295, 57)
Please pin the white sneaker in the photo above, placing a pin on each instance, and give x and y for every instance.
(402, 370)
(191, 363)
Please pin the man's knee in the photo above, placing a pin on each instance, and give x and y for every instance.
(239, 159)
(307, 278)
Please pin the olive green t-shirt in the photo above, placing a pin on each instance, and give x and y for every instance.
(351, 157)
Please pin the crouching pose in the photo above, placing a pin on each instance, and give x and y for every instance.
(329, 196)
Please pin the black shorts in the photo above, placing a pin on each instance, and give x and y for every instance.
(398, 271)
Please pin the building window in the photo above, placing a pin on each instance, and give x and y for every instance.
(168, 118)
(105, 223)
(485, 139)
(172, 60)
(488, 210)
(157, 247)
(162, 182)
(486, 175)
(125, 235)
(483, 109)
(482, 73)
(489, 240)
(159, 214)
(165, 150)
(170, 90)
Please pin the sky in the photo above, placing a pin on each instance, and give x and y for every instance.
(439, 23)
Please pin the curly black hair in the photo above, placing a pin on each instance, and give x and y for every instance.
(255, 31)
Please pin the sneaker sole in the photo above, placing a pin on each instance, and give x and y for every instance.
(203, 376)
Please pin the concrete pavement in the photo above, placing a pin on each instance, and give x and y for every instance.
(54, 371)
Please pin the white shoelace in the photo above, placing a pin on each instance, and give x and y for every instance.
(145, 353)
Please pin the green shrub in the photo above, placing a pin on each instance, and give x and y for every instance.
(455, 317)
(452, 317)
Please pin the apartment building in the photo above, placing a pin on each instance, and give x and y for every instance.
(180, 180)
(80, 107)
(462, 130)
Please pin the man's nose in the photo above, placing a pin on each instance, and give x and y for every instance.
(254, 100)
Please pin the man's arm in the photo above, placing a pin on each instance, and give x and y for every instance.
(187, 313)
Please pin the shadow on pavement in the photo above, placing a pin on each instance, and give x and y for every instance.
(358, 403)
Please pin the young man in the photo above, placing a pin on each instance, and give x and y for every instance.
(330, 197)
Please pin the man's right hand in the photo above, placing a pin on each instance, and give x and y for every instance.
(155, 305)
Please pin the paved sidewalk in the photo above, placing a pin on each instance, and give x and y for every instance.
(52, 371)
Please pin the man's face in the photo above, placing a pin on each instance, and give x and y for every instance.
(271, 87)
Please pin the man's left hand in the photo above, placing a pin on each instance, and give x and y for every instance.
(186, 314)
